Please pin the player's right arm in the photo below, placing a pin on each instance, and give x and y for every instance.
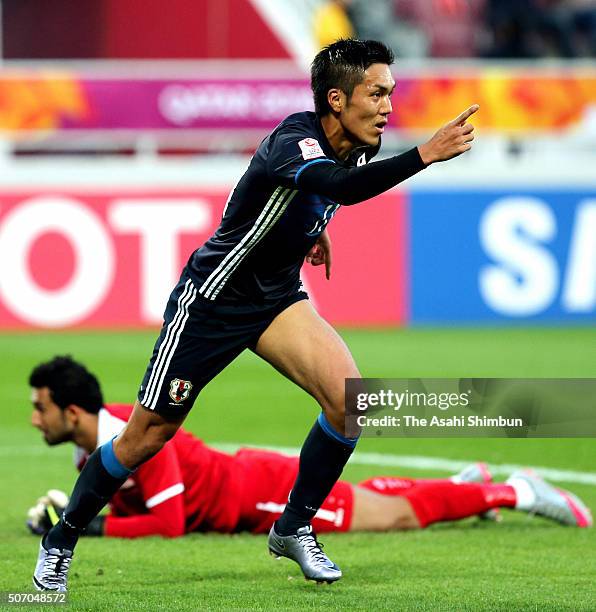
(453, 139)
(353, 185)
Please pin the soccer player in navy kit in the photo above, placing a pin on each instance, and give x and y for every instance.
(242, 289)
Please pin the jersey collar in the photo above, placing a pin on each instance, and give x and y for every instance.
(354, 155)
(108, 426)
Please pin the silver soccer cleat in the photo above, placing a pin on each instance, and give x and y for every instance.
(478, 472)
(556, 504)
(306, 551)
(475, 472)
(51, 571)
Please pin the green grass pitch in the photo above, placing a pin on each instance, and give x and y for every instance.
(521, 564)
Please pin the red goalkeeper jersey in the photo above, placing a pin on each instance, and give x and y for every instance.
(185, 487)
(188, 486)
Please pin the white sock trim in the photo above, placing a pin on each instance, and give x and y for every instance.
(524, 494)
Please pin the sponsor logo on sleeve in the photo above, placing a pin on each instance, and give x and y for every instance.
(310, 148)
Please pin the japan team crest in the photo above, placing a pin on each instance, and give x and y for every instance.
(180, 389)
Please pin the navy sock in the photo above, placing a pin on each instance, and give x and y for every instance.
(99, 479)
(322, 459)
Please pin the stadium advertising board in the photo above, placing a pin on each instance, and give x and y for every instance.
(490, 256)
(512, 100)
(98, 259)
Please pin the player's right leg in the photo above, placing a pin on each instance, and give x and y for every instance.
(105, 471)
(110, 465)
(191, 349)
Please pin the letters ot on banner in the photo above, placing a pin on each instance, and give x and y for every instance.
(111, 259)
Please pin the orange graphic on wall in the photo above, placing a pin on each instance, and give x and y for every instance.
(40, 101)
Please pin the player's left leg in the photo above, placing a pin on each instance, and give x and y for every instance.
(305, 348)
(391, 485)
(373, 511)
(424, 503)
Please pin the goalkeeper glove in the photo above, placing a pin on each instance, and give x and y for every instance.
(46, 512)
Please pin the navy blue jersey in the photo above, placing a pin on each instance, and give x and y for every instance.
(269, 223)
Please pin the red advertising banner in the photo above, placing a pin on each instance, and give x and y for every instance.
(110, 259)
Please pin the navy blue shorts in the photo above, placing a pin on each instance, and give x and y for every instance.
(198, 340)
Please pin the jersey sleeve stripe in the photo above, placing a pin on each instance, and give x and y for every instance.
(336, 517)
(274, 208)
(164, 495)
(263, 231)
(310, 163)
(213, 276)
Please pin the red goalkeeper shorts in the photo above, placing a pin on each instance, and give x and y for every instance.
(268, 479)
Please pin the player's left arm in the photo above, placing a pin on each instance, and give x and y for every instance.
(353, 185)
(46, 512)
(162, 487)
(321, 253)
(165, 520)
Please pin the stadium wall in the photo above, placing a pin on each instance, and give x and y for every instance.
(100, 244)
(112, 29)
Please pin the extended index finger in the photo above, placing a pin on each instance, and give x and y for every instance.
(328, 263)
(460, 119)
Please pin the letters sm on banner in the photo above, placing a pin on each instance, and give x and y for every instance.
(517, 255)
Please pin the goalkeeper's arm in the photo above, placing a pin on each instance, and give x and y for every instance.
(48, 510)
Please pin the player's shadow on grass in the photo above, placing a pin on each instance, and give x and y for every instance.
(506, 526)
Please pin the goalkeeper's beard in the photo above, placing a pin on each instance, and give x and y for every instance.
(53, 439)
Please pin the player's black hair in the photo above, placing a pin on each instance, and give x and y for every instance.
(341, 65)
(69, 382)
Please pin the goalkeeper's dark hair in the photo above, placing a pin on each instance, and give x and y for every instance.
(341, 65)
(69, 382)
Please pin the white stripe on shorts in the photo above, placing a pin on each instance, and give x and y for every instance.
(170, 330)
(168, 346)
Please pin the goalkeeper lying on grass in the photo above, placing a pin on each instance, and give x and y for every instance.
(189, 487)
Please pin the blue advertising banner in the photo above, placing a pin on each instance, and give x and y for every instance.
(510, 255)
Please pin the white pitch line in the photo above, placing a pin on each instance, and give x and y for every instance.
(415, 462)
(433, 463)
